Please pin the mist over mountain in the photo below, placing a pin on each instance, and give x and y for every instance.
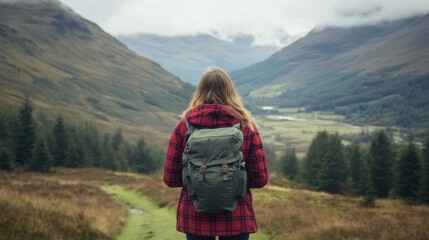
(70, 66)
(374, 74)
(188, 56)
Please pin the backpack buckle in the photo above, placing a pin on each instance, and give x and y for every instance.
(225, 166)
(201, 173)
(200, 177)
(225, 163)
(203, 168)
(225, 177)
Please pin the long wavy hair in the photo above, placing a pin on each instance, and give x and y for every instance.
(216, 87)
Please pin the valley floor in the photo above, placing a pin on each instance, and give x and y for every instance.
(293, 128)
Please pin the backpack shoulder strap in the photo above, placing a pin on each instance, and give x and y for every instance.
(191, 128)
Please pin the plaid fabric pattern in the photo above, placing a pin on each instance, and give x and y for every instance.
(242, 219)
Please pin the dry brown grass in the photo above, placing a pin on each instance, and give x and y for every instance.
(33, 206)
(34, 203)
(152, 185)
(299, 214)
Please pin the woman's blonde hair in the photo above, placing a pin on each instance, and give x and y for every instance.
(216, 87)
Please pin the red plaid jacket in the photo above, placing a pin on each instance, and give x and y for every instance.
(242, 219)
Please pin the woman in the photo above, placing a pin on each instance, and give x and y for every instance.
(216, 104)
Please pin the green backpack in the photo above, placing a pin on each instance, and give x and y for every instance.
(213, 168)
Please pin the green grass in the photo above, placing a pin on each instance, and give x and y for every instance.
(152, 222)
(299, 132)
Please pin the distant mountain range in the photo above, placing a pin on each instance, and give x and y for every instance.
(188, 56)
(372, 74)
(69, 65)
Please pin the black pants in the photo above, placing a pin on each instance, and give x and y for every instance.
(244, 236)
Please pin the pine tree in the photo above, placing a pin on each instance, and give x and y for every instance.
(380, 163)
(72, 156)
(7, 154)
(117, 140)
(96, 151)
(8, 126)
(140, 157)
(290, 164)
(408, 173)
(42, 160)
(91, 145)
(7, 158)
(356, 161)
(144, 160)
(333, 170)
(26, 135)
(423, 194)
(109, 155)
(122, 158)
(156, 159)
(359, 179)
(270, 156)
(364, 185)
(61, 142)
(4, 132)
(76, 153)
(129, 152)
(50, 142)
(314, 158)
(84, 160)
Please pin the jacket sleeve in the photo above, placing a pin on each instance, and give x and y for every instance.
(173, 159)
(256, 163)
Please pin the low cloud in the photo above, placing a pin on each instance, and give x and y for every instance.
(367, 12)
(274, 22)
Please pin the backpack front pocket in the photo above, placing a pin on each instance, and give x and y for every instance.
(241, 187)
(188, 181)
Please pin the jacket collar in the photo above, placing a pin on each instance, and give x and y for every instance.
(212, 116)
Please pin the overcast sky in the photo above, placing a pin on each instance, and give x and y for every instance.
(271, 22)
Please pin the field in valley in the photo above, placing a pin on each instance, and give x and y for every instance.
(99, 204)
(294, 128)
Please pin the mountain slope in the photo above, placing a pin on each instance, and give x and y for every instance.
(188, 56)
(373, 74)
(69, 65)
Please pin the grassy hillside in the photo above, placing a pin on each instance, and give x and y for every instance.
(69, 202)
(188, 56)
(69, 65)
(372, 74)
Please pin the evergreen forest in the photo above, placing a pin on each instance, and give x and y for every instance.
(375, 169)
(38, 144)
